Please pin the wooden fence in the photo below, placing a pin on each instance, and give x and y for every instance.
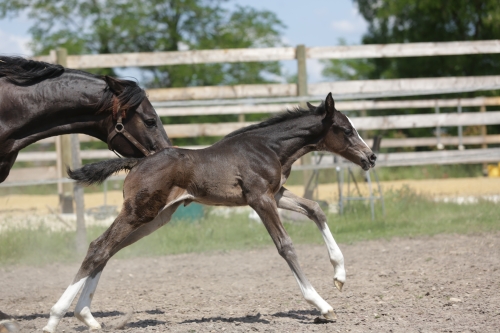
(248, 95)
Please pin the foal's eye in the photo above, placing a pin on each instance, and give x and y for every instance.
(348, 132)
(150, 122)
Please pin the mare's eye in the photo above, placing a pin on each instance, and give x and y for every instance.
(348, 132)
(150, 122)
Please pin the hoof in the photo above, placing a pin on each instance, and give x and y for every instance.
(338, 284)
(47, 329)
(9, 326)
(330, 315)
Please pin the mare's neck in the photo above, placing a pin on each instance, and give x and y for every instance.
(63, 105)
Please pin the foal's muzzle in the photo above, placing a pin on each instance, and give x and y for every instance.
(368, 162)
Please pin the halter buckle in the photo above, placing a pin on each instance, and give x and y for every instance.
(119, 125)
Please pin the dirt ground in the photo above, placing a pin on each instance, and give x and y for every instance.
(444, 283)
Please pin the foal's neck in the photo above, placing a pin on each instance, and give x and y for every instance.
(300, 137)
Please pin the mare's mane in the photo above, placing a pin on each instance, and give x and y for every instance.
(294, 113)
(126, 95)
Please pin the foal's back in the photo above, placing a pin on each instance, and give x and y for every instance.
(221, 174)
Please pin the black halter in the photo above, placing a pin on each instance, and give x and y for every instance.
(120, 128)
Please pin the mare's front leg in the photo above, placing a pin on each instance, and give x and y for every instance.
(6, 163)
(265, 206)
(289, 201)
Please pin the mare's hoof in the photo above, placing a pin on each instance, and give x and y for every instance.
(338, 284)
(330, 315)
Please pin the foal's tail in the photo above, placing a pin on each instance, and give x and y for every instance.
(96, 173)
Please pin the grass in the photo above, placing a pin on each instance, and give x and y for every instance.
(407, 214)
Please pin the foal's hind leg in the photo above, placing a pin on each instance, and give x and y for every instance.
(100, 251)
(265, 206)
(287, 200)
(82, 309)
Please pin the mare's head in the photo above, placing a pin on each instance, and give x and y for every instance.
(341, 137)
(132, 119)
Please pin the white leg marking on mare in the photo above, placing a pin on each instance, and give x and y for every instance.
(82, 310)
(359, 136)
(61, 307)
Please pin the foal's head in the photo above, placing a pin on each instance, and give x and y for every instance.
(341, 137)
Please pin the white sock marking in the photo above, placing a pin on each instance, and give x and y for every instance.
(82, 310)
(61, 307)
(312, 297)
(336, 256)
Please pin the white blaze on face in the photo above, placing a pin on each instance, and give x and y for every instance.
(357, 132)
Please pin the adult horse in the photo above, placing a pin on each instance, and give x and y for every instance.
(39, 100)
(247, 167)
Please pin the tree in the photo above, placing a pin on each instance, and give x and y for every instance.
(410, 21)
(116, 26)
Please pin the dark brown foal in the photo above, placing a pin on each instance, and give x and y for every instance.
(247, 167)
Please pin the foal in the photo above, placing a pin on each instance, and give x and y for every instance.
(247, 167)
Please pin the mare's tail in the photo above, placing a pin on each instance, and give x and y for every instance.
(96, 173)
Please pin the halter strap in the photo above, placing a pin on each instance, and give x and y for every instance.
(120, 129)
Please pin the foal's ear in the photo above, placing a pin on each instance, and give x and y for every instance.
(329, 106)
(310, 106)
(114, 85)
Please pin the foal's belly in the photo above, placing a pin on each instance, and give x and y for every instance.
(220, 195)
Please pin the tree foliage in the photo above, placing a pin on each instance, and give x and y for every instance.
(410, 21)
(116, 26)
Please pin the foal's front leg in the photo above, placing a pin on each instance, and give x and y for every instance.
(265, 206)
(289, 201)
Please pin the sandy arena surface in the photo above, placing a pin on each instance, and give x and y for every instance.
(444, 283)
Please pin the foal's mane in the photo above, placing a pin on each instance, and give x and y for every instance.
(119, 95)
(294, 113)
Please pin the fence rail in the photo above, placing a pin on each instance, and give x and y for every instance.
(340, 89)
(140, 59)
(340, 105)
(216, 100)
(384, 160)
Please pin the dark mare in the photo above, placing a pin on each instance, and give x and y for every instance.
(39, 100)
(247, 167)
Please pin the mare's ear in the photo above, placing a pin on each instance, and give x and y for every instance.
(310, 106)
(114, 85)
(329, 106)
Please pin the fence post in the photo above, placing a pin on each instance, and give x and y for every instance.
(64, 153)
(484, 145)
(302, 91)
(364, 133)
(81, 231)
(460, 130)
(440, 146)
